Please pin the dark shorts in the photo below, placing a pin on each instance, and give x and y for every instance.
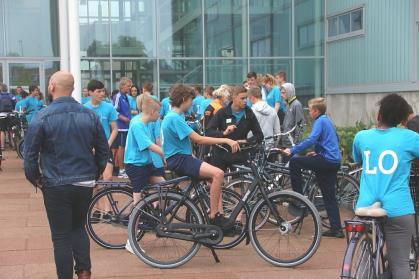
(120, 140)
(224, 160)
(184, 165)
(140, 176)
(4, 123)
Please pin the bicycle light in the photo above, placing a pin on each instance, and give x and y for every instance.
(355, 227)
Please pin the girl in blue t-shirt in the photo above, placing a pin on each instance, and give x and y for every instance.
(386, 154)
(176, 137)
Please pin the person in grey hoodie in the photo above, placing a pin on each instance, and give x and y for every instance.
(265, 114)
(294, 115)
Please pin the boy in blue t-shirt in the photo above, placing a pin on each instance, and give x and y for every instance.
(139, 147)
(107, 116)
(324, 161)
(32, 104)
(386, 154)
(176, 137)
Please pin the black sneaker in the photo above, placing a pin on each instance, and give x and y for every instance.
(221, 221)
(334, 233)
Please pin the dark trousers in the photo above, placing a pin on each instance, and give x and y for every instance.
(66, 208)
(326, 174)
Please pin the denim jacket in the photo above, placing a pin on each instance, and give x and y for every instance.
(61, 138)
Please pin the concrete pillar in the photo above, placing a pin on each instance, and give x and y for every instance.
(74, 46)
(63, 22)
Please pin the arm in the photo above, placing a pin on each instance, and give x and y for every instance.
(101, 147)
(33, 142)
(277, 106)
(114, 133)
(156, 149)
(311, 140)
(211, 141)
(356, 152)
(298, 118)
(213, 127)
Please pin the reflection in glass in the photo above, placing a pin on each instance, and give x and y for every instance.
(1, 72)
(94, 28)
(1, 35)
(309, 28)
(180, 33)
(31, 28)
(344, 24)
(23, 74)
(309, 79)
(179, 71)
(225, 71)
(333, 26)
(271, 66)
(96, 69)
(356, 18)
(139, 71)
(225, 28)
(270, 28)
(50, 68)
(133, 28)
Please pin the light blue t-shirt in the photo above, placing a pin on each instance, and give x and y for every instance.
(106, 113)
(238, 115)
(138, 141)
(175, 135)
(204, 104)
(84, 100)
(165, 107)
(32, 105)
(386, 157)
(274, 96)
(196, 105)
(155, 129)
(132, 102)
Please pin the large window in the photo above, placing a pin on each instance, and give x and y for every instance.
(272, 66)
(309, 79)
(139, 71)
(346, 25)
(225, 28)
(180, 33)
(270, 28)
(31, 28)
(132, 28)
(225, 71)
(96, 69)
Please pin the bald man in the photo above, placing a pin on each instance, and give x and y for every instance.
(62, 137)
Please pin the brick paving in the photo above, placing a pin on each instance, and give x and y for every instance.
(26, 248)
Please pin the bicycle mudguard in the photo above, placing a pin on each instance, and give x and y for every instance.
(205, 234)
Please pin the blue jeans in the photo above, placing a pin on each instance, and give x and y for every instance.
(326, 174)
(66, 208)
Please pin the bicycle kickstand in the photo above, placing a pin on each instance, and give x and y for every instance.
(217, 260)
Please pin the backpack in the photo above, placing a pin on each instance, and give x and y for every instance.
(6, 103)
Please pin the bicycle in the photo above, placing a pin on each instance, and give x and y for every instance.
(185, 228)
(365, 256)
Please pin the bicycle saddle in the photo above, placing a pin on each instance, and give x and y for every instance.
(374, 210)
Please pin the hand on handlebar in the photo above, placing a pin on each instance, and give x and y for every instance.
(234, 145)
(286, 151)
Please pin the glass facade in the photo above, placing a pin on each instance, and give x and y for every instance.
(208, 42)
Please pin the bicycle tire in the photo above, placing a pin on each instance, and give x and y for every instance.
(314, 237)
(347, 193)
(358, 260)
(92, 222)
(133, 230)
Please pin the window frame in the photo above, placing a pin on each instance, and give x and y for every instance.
(349, 34)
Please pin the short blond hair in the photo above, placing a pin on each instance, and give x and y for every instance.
(222, 92)
(318, 104)
(147, 104)
(124, 81)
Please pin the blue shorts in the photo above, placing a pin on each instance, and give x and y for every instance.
(184, 165)
(140, 176)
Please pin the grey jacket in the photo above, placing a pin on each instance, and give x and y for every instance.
(293, 116)
(268, 120)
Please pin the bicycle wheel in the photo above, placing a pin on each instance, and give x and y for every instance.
(358, 261)
(107, 217)
(20, 148)
(347, 193)
(157, 251)
(285, 244)
(230, 201)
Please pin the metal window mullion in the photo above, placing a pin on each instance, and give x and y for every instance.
(204, 42)
(110, 44)
(157, 38)
(293, 40)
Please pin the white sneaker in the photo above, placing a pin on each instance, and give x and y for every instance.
(122, 174)
(129, 248)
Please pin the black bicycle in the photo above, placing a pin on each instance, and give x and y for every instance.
(166, 228)
(365, 256)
